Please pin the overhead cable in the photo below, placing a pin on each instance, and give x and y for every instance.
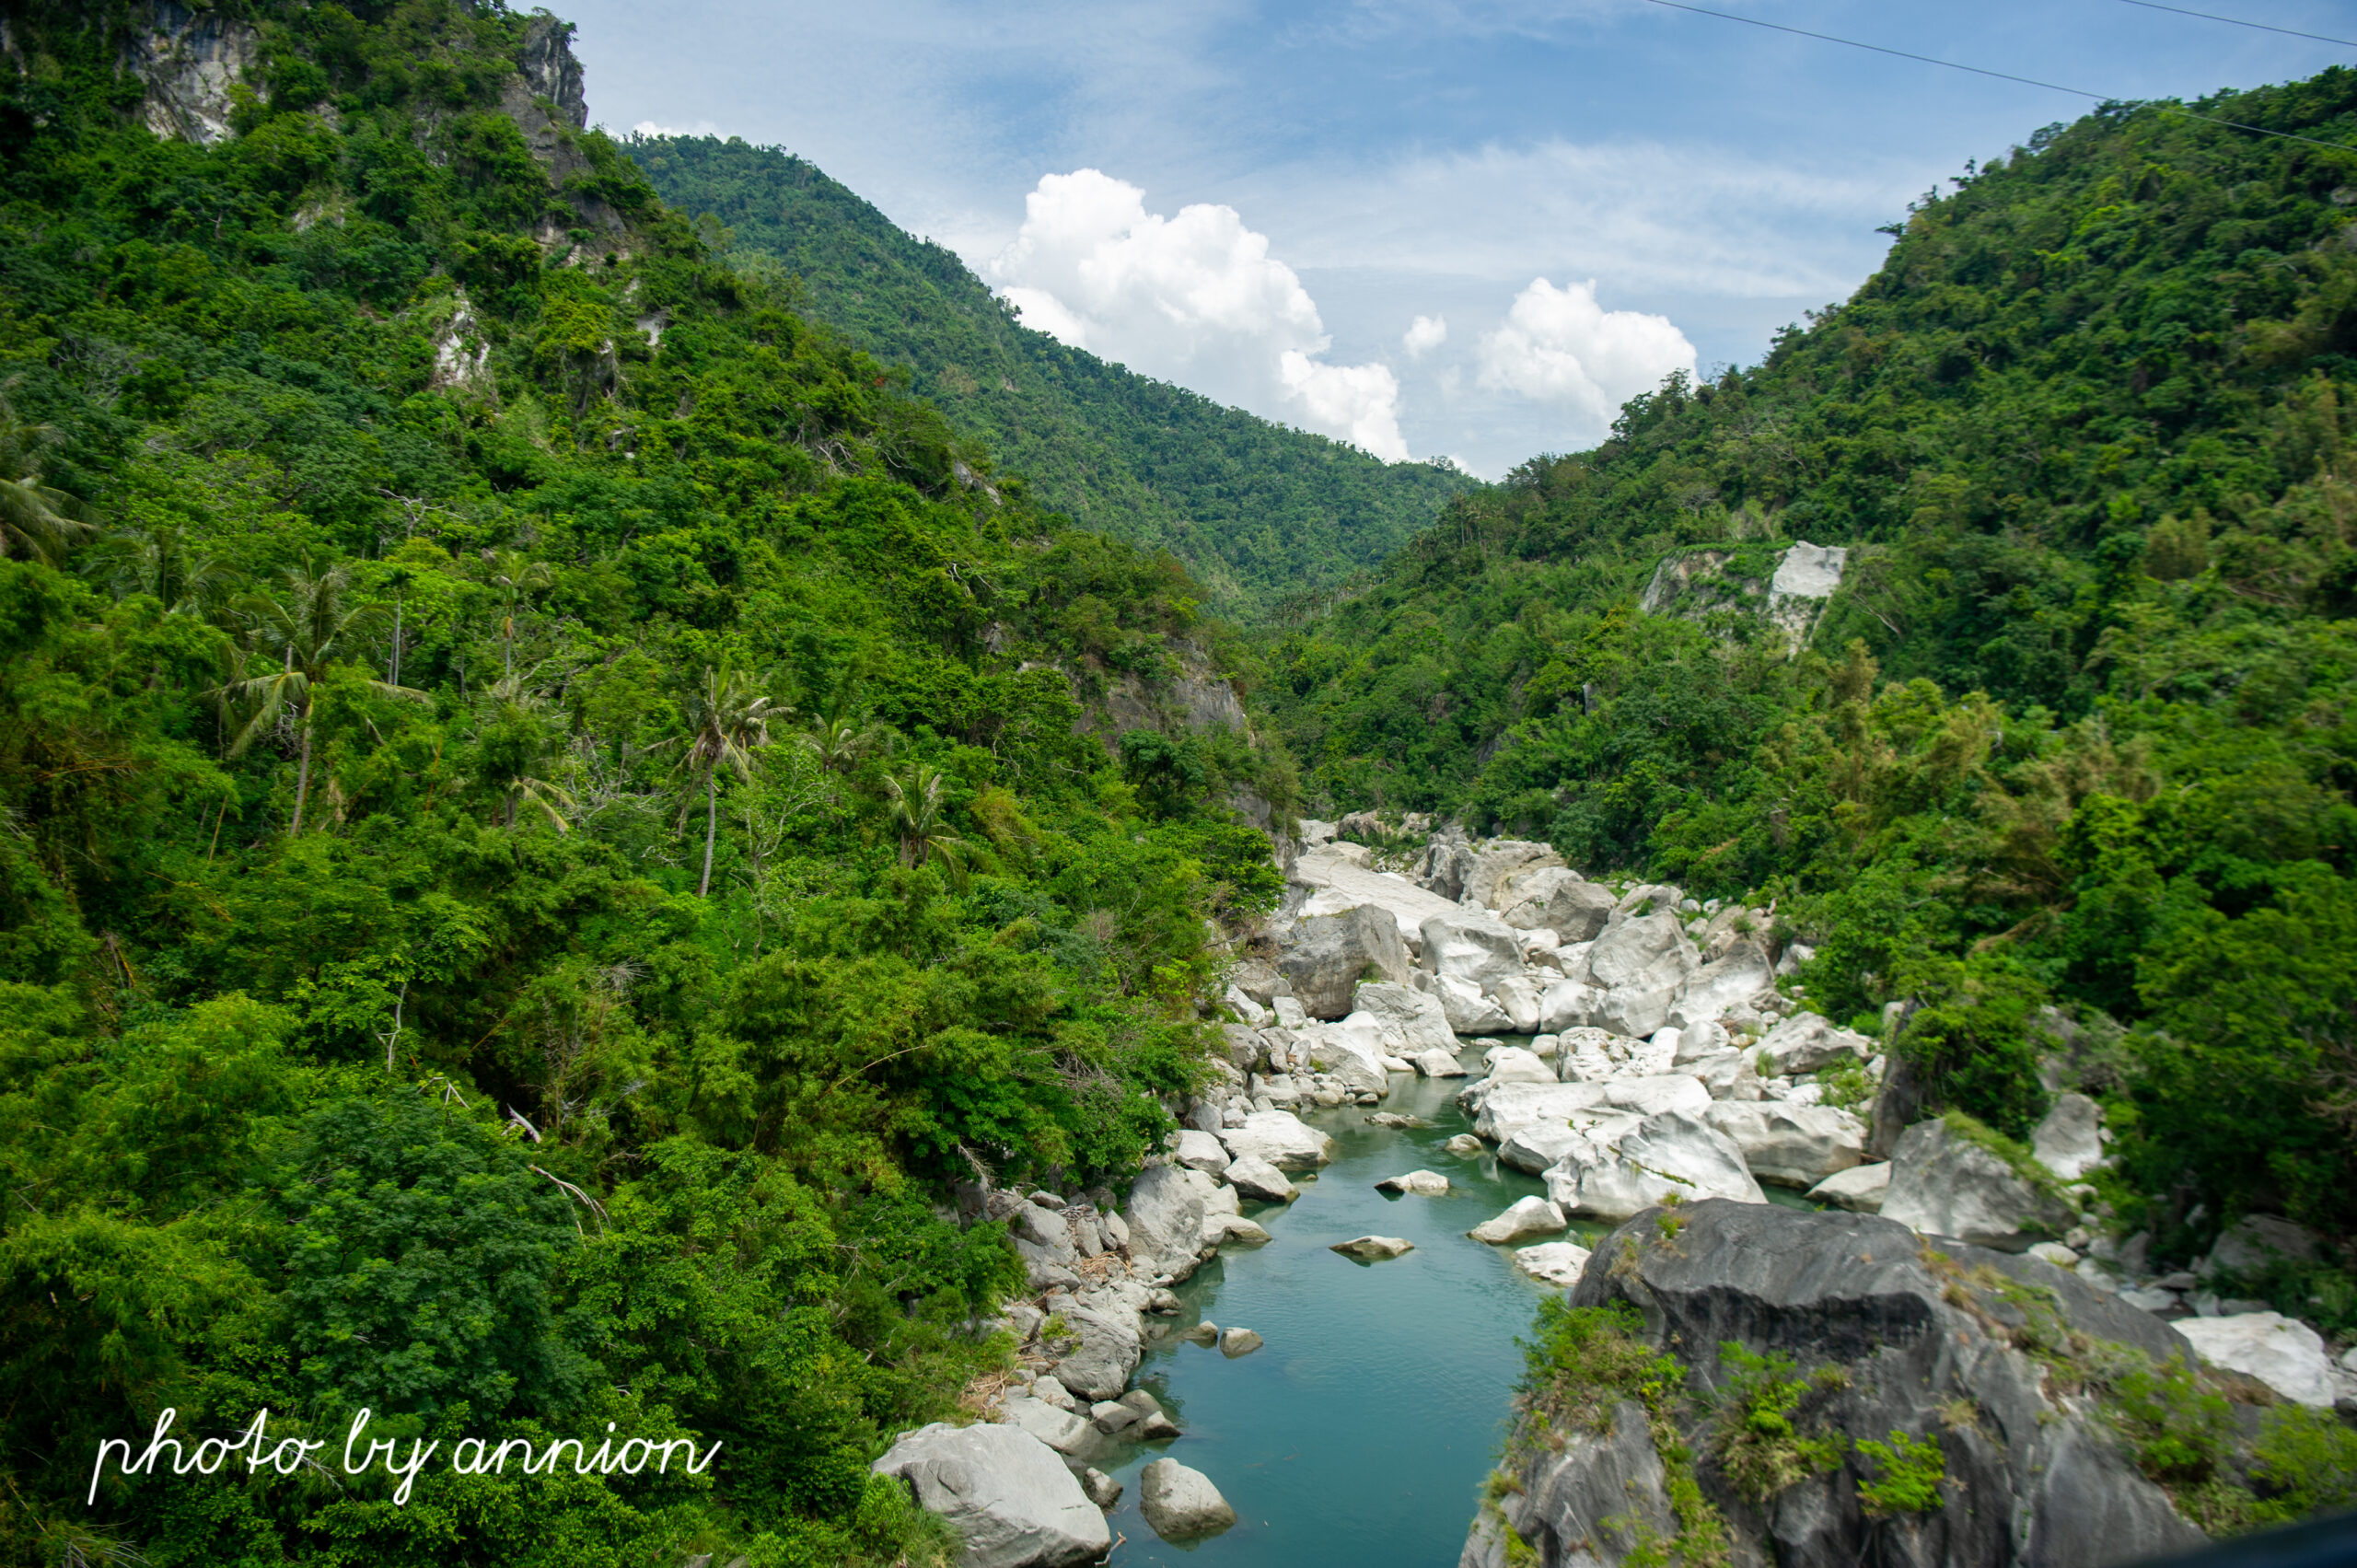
(2237, 21)
(2001, 76)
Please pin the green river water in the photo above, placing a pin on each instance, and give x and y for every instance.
(1361, 1432)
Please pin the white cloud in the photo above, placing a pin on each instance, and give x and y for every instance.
(701, 128)
(1194, 299)
(1424, 334)
(1559, 345)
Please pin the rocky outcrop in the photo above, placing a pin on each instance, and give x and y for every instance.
(1324, 955)
(1954, 1347)
(1671, 1157)
(188, 60)
(2282, 1353)
(1006, 1494)
(1946, 1183)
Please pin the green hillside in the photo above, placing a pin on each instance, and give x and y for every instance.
(2081, 725)
(1261, 514)
(541, 823)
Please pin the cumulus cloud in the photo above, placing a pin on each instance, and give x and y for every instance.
(1559, 345)
(1424, 334)
(1194, 299)
(701, 128)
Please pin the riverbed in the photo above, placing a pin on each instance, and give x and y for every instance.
(1362, 1431)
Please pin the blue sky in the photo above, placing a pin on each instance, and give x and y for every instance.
(1260, 201)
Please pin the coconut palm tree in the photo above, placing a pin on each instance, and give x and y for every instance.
(511, 744)
(36, 520)
(162, 561)
(841, 741)
(517, 576)
(729, 718)
(304, 629)
(914, 803)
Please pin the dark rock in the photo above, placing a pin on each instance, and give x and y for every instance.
(1976, 1349)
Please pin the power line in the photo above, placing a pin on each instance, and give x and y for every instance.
(2237, 21)
(2003, 76)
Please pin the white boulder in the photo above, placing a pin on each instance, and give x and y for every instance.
(1523, 1218)
(1005, 1493)
(1373, 1249)
(1553, 1263)
(1181, 1504)
(1409, 1020)
(1791, 1146)
(1470, 945)
(1322, 954)
(1256, 1178)
(1859, 1188)
(1500, 862)
(2282, 1353)
(1418, 1183)
(2069, 1139)
(1671, 1156)
(1809, 1043)
(1942, 1183)
(1280, 1138)
(1199, 1151)
(1724, 982)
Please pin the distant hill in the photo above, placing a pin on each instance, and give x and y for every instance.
(1261, 513)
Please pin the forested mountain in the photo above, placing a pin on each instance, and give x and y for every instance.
(2080, 726)
(543, 819)
(1261, 514)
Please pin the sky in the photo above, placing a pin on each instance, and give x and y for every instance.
(1459, 228)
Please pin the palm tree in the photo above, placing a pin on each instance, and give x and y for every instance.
(306, 628)
(36, 520)
(729, 718)
(515, 575)
(912, 800)
(511, 744)
(840, 740)
(160, 560)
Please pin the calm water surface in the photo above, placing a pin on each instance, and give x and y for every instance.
(1362, 1431)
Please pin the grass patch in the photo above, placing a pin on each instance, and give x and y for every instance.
(1756, 1442)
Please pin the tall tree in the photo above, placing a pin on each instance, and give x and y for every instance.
(36, 520)
(517, 576)
(729, 718)
(306, 627)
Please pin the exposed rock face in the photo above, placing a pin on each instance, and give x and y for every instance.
(1472, 945)
(1324, 955)
(189, 60)
(1805, 579)
(1791, 1146)
(2258, 1242)
(1943, 1184)
(2068, 1142)
(1807, 1043)
(1334, 875)
(1006, 1494)
(1721, 985)
(1181, 1504)
(1499, 861)
(2282, 1353)
(2036, 1474)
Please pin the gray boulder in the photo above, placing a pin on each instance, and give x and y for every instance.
(1860, 1188)
(1005, 1493)
(1373, 1249)
(1410, 1021)
(1719, 986)
(1499, 861)
(1059, 1429)
(1673, 1156)
(1280, 1138)
(1256, 1179)
(1573, 910)
(1324, 957)
(2282, 1353)
(1523, 1218)
(1437, 1063)
(2069, 1139)
(2036, 1477)
(1942, 1183)
(1789, 1144)
(1234, 1341)
(2256, 1243)
(1199, 1151)
(1181, 1504)
(1470, 945)
(1807, 1043)
(1467, 1008)
(1518, 1000)
(1099, 1367)
(1165, 1219)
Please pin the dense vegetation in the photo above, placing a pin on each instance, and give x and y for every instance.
(1268, 518)
(2077, 730)
(542, 827)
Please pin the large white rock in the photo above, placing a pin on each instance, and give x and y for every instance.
(1324, 952)
(1166, 1219)
(1280, 1138)
(1553, 1263)
(1099, 1367)
(1469, 1009)
(1437, 1063)
(1518, 999)
(1059, 1429)
(1416, 1183)
(1181, 1504)
(1791, 1146)
(1410, 1021)
(1721, 985)
(1407, 904)
(1523, 1218)
(1943, 1184)
(1859, 1188)
(1536, 1147)
(1352, 1052)
(1574, 911)
(1005, 1492)
(1199, 1151)
(1256, 1179)
(1636, 1011)
(1501, 1110)
(1513, 1064)
(2069, 1140)
(1670, 1156)
(1643, 952)
(2282, 1353)
(1654, 1093)
(1500, 862)
(1809, 1043)
(1567, 1004)
(1470, 945)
